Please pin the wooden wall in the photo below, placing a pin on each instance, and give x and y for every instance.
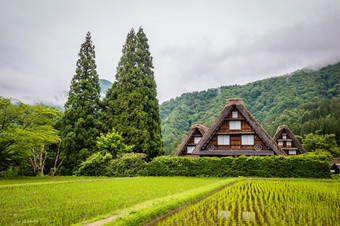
(235, 137)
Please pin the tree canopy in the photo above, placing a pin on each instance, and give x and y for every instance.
(23, 128)
(130, 105)
(80, 122)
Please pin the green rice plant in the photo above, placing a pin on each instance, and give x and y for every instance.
(66, 201)
(267, 202)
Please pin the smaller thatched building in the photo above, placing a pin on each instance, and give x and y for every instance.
(191, 140)
(288, 142)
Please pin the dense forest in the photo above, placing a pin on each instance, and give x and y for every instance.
(308, 101)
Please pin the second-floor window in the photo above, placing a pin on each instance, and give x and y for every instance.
(234, 125)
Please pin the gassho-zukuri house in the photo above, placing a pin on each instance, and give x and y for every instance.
(287, 141)
(236, 132)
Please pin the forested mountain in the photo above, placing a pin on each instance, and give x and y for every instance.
(104, 86)
(306, 100)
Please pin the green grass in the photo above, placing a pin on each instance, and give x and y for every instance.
(45, 179)
(265, 202)
(64, 201)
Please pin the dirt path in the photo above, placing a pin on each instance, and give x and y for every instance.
(114, 217)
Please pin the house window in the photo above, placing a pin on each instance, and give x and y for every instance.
(292, 152)
(223, 140)
(234, 124)
(280, 143)
(284, 136)
(197, 139)
(247, 139)
(190, 149)
(234, 114)
(289, 143)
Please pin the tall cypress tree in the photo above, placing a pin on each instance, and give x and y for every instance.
(80, 122)
(131, 106)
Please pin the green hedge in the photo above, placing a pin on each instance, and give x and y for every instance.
(307, 166)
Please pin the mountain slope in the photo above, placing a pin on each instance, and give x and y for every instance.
(104, 86)
(266, 99)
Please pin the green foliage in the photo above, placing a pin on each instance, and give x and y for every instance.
(321, 143)
(95, 165)
(127, 165)
(292, 100)
(320, 118)
(112, 143)
(80, 122)
(130, 105)
(110, 146)
(314, 166)
(22, 129)
(69, 201)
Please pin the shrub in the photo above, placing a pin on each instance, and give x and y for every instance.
(95, 165)
(314, 166)
(112, 143)
(127, 165)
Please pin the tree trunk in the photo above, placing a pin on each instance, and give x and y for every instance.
(56, 165)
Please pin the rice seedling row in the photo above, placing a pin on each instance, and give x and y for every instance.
(265, 202)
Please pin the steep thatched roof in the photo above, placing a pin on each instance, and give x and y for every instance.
(239, 105)
(201, 129)
(285, 128)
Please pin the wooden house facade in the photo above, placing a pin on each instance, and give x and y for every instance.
(189, 143)
(235, 132)
(288, 142)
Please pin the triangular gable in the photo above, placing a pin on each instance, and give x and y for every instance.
(256, 127)
(285, 129)
(194, 128)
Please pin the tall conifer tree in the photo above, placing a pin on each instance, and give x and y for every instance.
(80, 122)
(131, 106)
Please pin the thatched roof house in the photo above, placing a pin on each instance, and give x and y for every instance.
(236, 132)
(287, 141)
(191, 140)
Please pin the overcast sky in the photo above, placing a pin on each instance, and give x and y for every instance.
(195, 44)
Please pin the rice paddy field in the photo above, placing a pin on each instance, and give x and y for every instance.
(264, 202)
(81, 200)
(70, 200)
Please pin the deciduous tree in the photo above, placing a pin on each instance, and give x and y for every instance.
(24, 130)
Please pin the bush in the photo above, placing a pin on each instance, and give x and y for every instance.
(127, 165)
(112, 143)
(95, 165)
(133, 164)
(313, 166)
